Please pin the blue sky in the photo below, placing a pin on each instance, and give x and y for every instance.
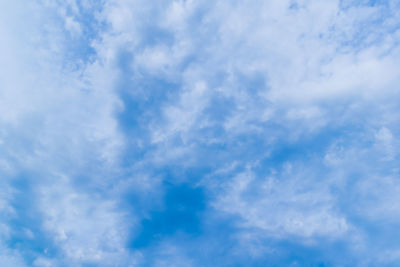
(199, 133)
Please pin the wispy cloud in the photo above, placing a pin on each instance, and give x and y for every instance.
(198, 133)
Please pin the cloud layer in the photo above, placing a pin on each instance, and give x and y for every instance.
(199, 133)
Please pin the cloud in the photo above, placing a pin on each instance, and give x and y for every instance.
(144, 132)
(284, 206)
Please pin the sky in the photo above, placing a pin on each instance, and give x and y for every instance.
(199, 133)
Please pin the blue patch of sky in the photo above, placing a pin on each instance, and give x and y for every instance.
(180, 212)
(79, 47)
(28, 233)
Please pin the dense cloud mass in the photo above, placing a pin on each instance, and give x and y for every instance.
(199, 133)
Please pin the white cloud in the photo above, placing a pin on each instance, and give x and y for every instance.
(292, 204)
(57, 116)
(277, 70)
(87, 227)
(322, 66)
(10, 258)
